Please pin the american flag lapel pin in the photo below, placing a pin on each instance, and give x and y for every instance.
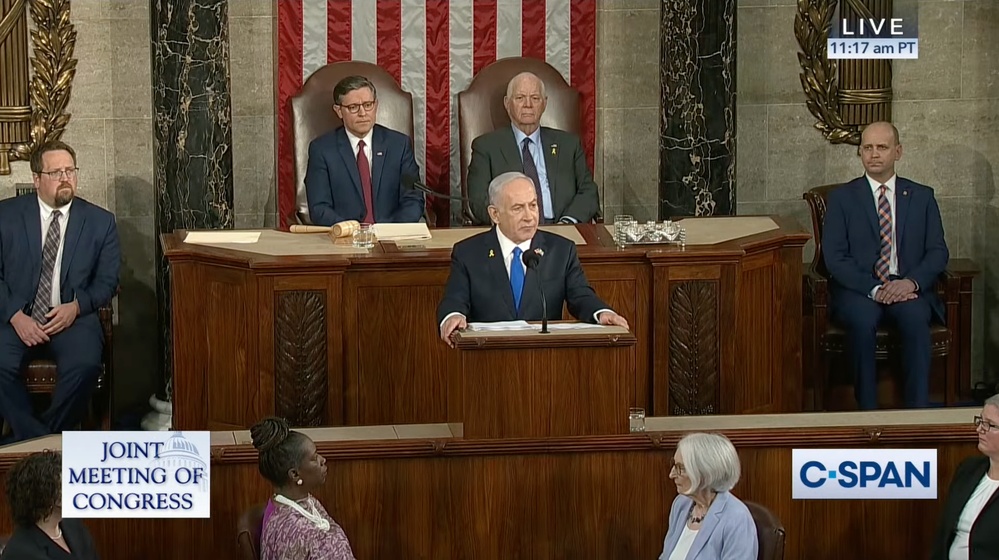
(378, 154)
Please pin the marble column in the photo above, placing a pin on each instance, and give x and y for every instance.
(192, 131)
(697, 120)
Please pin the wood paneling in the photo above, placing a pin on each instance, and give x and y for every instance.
(580, 497)
(532, 386)
(694, 310)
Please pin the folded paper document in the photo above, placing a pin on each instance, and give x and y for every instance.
(401, 232)
(209, 237)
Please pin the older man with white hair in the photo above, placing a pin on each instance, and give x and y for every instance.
(706, 521)
(490, 282)
(553, 159)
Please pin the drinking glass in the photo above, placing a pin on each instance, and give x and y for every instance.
(364, 237)
(636, 419)
(621, 224)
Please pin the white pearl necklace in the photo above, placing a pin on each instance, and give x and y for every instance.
(313, 516)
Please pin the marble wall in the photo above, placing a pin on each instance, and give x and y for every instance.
(947, 111)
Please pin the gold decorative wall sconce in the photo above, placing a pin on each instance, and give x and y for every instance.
(33, 108)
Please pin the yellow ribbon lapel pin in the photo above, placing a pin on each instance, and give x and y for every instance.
(491, 253)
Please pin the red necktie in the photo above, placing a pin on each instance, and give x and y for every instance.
(364, 170)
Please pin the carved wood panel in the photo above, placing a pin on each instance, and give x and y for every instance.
(693, 348)
(300, 357)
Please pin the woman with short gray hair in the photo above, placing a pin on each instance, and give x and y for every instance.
(706, 521)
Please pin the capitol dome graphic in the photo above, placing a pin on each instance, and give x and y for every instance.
(177, 452)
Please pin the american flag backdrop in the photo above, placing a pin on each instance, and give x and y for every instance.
(433, 48)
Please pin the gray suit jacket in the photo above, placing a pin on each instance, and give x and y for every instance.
(573, 191)
(728, 531)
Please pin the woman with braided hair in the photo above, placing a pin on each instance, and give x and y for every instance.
(295, 524)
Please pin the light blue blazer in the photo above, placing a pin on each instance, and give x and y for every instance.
(728, 531)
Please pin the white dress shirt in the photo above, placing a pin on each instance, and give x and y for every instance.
(890, 194)
(355, 140)
(976, 503)
(683, 545)
(46, 214)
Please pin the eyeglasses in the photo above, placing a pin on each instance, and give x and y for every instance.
(67, 173)
(678, 467)
(983, 423)
(353, 108)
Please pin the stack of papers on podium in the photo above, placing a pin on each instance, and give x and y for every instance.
(401, 232)
(525, 326)
(503, 326)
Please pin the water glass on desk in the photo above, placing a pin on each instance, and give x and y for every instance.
(636, 419)
(621, 224)
(364, 237)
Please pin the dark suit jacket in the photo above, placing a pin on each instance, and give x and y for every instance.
(571, 184)
(984, 543)
(333, 185)
(851, 242)
(91, 259)
(479, 286)
(32, 544)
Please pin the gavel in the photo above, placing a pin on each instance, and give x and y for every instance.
(337, 230)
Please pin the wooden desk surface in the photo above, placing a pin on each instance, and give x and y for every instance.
(350, 339)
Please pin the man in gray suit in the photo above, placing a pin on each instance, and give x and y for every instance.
(553, 159)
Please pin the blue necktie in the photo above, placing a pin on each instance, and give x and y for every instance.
(517, 277)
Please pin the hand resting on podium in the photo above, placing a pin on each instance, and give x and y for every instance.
(491, 278)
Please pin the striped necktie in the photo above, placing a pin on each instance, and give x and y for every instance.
(43, 297)
(881, 267)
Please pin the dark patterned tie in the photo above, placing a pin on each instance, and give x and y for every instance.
(364, 170)
(881, 268)
(43, 297)
(531, 170)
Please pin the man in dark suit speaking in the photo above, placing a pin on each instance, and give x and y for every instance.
(553, 159)
(490, 282)
(59, 264)
(883, 244)
(355, 171)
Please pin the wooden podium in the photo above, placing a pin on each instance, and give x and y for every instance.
(563, 383)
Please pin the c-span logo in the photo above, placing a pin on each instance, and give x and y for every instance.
(864, 474)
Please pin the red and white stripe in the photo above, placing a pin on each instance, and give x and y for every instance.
(433, 48)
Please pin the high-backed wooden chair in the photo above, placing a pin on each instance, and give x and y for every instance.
(480, 107)
(769, 532)
(950, 341)
(312, 114)
(248, 531)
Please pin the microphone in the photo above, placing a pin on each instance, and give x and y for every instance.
(413, 182)
(532, 260)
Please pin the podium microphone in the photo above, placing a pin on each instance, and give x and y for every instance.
(412, 182)
(532, 260)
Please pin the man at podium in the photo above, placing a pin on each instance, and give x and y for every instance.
(490, 279)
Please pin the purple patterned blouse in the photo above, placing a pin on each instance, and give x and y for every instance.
(288, 535)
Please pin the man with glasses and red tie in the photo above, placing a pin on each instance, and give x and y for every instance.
(59, 264)
(356, 171)
(883, 244)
